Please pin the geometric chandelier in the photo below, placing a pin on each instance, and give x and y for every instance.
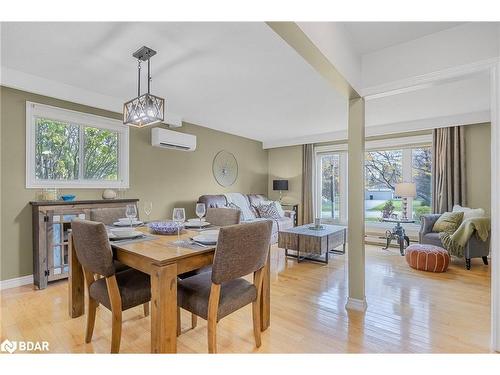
(146, 109)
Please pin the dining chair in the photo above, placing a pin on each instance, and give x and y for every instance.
(117, 291)
(107, 215)
(241, 250)
(221, 217)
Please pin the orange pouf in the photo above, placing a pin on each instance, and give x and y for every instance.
(427, 258)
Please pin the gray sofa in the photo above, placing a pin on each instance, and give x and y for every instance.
(253, 201)
(475, 248)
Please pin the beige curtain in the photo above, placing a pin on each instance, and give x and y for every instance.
(448, 166)
(307, 184)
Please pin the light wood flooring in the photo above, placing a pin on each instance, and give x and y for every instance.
(408, 311)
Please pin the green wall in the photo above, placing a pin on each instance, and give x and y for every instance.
(166, 177)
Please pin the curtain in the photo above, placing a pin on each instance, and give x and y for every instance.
(308, 184)
(448, 166)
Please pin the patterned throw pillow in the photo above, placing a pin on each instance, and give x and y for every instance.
(448, 222)
(268, 211)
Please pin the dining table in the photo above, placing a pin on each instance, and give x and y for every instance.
(163, 261)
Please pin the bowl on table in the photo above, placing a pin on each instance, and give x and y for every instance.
(68, 197)
(165, 227)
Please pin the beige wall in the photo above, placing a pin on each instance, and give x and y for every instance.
(286, 163)
(166, 177)
(478, 165)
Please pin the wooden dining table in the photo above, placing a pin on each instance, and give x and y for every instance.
(163, 261)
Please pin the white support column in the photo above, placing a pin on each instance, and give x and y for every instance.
(495, 208)
(356, 209)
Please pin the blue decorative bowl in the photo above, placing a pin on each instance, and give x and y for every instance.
(165, 227)
(68, 197)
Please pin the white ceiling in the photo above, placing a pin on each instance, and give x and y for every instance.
(240, 78)
(368, 37)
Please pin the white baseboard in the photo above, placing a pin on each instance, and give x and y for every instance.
(18, 281)
(356, 304)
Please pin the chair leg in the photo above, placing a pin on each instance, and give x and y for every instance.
(146, 309)
(467, 263)
(213, 308)
(212, 334)
(178, 321)
(194, 321)
(256, 322)
(485, 260)
(116, 331)
(90, 319)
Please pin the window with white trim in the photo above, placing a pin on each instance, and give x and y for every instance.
(74, 150)
(387, 162)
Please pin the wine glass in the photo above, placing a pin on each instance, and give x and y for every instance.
(200, 210)
(179, 217)
(131, 212)
(148, 207)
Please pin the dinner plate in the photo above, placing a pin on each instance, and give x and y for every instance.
(196, 224)
(206, 240)
(211, 232)
(196, 219)
(127, 223)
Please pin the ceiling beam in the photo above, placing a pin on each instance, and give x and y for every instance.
(291, 33)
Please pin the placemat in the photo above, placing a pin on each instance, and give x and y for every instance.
(146, 237)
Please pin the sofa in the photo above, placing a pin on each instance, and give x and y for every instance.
(253, 200)
(475, 248)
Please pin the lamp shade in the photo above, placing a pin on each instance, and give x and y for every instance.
(406, 189)
(280, 184)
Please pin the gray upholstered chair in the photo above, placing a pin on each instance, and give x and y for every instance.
(475, 248)
(107, 215)
(222, 217)
(241, 250)
(117, 291)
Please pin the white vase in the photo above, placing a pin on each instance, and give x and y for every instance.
(109, 194)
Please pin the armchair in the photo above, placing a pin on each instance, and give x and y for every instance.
(475, 248)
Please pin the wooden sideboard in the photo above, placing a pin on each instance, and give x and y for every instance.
(51, 221)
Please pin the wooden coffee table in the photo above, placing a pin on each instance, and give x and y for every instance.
(313, 243)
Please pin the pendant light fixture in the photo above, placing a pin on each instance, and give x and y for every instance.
(146, 109)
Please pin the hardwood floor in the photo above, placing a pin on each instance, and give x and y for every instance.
(408, 311)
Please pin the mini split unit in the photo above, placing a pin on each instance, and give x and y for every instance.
(173, 140)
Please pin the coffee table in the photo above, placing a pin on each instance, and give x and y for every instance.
(313, 243)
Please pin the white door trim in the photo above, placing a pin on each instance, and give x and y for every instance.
(495, 207)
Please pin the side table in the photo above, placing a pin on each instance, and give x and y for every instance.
(398, 234)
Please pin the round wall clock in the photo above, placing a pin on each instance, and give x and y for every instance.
(225, 168)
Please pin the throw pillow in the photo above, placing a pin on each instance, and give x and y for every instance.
(277, 204)
(268, 211)
(469, 213)
(448, 222)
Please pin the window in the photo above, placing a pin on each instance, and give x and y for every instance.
(72, 149)
(384, 168)
(387, 162)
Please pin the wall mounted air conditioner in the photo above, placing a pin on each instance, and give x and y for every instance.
(172, 139)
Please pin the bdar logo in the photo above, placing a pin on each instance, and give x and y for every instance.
(8, 346)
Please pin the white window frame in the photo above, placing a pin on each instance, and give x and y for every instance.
(36, 110)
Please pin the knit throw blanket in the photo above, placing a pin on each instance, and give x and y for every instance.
(455, 242)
